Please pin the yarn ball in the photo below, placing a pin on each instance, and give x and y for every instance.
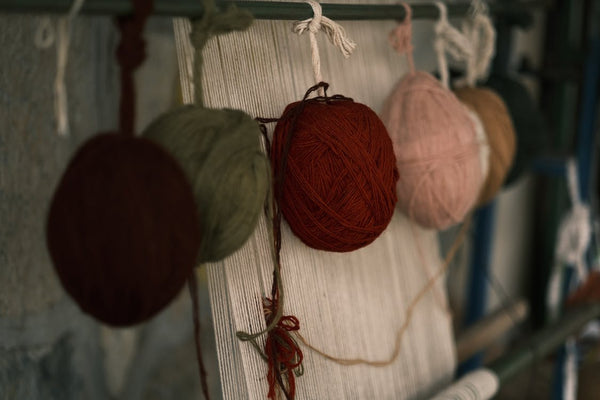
(437, 151)
(340, 173)
(122, 229)
(530, 125)
(500, 135)
(220, 152)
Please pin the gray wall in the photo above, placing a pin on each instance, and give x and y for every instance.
(48, 348)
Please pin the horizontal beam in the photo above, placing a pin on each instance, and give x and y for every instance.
(274, 10)
(544, 342)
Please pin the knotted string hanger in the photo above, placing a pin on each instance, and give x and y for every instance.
(448, 39)
(334, 32)
(480, 33)
(131, 53)
(213, 23)
(401, 37)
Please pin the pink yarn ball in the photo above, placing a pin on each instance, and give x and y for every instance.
(437, 151)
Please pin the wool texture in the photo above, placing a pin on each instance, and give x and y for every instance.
(500, 134)
(122, 229)
(220, 153)
(530, 126)
(437, 151)
(338, 190)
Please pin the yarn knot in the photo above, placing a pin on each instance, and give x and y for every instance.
(575, 229)
(284, 356)
(334, 32)
(131, 52)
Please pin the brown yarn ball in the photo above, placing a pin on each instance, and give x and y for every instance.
(122, 229)
(500, 134)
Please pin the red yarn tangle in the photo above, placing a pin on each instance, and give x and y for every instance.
(284, 357)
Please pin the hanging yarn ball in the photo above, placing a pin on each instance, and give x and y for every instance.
(499, 132)
(437, 151)
(122, 229)
(530, 125)
(339, 172)
(220, 153)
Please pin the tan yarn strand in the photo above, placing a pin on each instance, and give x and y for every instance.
(409, 311)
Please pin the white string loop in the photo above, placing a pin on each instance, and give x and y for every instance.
(448, 39)
(61, 107)
(45, 36)
(334, 32)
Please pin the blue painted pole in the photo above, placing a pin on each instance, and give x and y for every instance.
(477, 294)
(586, 145)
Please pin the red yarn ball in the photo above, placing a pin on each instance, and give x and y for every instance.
(122, 229)
(340, 173)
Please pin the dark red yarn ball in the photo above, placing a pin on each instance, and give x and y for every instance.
(122, 229)
(340, 177)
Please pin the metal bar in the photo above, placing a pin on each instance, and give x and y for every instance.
(262, 9)
(544, 342)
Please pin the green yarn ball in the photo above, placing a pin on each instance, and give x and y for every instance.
(529, 123)
(220, 152)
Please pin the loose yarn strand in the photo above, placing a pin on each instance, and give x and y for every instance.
(409, 311)
(193, 289)
(401, 38)
(334, 32)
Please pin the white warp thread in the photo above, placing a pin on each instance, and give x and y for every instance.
(349, 304)
(334, 32)
(481, 384)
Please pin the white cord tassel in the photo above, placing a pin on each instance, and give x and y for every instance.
(480, 32)
(334, 32)
(448, 39)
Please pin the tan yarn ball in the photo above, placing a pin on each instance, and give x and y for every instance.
(500, 133)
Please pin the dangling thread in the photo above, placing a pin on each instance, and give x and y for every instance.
(334, 32)
(193, 289)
